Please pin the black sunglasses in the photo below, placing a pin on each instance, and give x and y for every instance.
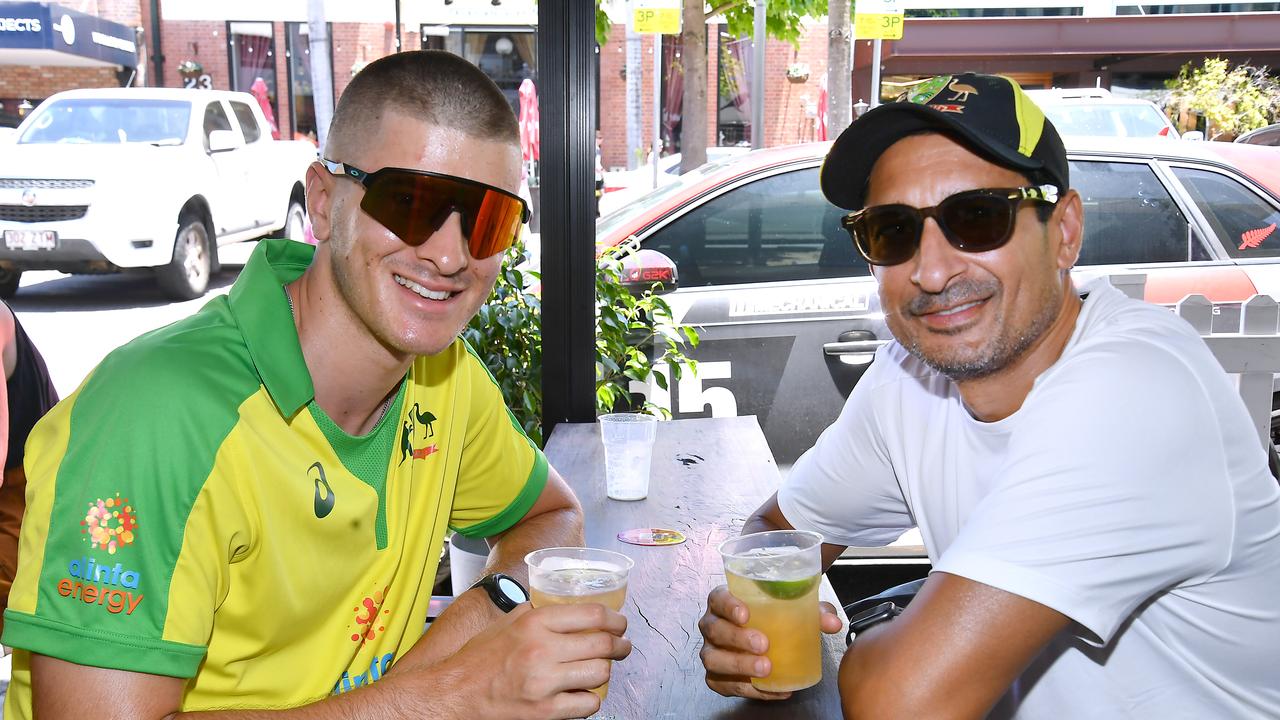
(972, 221)
(413, 204)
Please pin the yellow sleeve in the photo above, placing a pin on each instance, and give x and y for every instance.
(502, 472)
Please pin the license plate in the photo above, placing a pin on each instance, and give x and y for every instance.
(30, 239)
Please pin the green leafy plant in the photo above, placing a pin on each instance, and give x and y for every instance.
(507, 335)
(635, 333)
(1233, 99)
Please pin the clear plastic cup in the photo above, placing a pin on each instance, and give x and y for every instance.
(776, 574)
(628, 454)
(576, 575)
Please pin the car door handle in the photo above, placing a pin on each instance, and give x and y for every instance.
(853, 347)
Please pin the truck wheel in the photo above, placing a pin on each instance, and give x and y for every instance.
(9, 280)
(294, 222)
(187, 275)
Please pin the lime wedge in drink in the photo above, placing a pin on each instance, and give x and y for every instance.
(787, 589)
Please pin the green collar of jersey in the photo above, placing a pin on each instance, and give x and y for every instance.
(262, 311)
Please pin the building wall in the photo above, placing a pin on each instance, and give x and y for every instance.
(125, 12)
(204, 42)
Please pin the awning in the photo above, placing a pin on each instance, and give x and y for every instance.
(33, 33)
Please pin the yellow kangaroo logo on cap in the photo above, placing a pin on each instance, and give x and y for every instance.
(962, 91)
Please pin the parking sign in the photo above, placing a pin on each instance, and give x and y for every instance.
(657, 17)
(877, 20)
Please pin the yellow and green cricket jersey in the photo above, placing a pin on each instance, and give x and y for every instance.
(191, 512)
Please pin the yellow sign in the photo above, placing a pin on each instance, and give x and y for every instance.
(657, 21)
(877, 26)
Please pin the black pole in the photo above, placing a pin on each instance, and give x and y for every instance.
(398, 45)
(157, 54)
(567, 69)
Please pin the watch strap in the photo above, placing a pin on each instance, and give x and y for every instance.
(871, 617)
(505, 591)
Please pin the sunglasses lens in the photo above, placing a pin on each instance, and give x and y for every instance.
(414, 206)
(978, 222)
(497, 224)
(888, 234)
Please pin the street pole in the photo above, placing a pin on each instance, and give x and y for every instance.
(321, 74)
(657, 103)
(757, 77)
(875, 72)
(398, 45)
(635, 91)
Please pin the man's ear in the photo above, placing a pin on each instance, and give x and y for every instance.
(320, 188)
(1069, 218)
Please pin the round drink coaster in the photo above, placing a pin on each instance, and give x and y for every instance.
(651, 536)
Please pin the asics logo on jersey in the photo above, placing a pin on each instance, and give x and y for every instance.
(323, 501)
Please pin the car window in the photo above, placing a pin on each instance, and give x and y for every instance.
(1129, 216)
(1244, 220)
(215, 118)
(1113, 120)
(771, 229)
(248, 123)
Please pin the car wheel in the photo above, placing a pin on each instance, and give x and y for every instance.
(187, 275)
(9, 280)
(295, 222)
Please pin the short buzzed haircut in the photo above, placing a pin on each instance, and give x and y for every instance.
(434, 86)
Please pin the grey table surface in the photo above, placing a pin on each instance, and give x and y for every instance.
(708, 475)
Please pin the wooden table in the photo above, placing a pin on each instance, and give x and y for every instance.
(707, 476)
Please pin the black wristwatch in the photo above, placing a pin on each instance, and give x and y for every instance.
(505, 591)
(871, 616)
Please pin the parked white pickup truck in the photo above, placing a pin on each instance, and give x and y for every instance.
(106, 180)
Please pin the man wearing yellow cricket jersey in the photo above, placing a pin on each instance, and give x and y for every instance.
(241, 512)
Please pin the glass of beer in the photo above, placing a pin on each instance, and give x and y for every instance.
(776, 574)
(574, 575)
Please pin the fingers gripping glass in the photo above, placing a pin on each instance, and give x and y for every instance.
(972, 221)
(413, 204)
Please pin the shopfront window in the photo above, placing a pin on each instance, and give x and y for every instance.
(301, 96)
(506, 56)
(672, 92)
(252, 57)
(733, 121)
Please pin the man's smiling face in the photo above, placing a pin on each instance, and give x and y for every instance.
(967, 315)
(415, 300)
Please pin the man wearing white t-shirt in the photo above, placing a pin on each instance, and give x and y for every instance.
(1104, 532)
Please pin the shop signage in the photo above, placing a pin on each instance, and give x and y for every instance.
(71, 35)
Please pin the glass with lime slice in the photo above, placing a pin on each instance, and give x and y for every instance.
(776, 574)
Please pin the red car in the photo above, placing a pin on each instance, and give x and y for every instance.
(789, 313)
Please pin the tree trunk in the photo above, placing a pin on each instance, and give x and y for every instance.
(839, 72)
(693, 114)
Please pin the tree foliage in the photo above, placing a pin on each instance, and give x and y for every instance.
(1234, 100)
(782, 19)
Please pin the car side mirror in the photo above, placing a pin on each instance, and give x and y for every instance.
(223, 140)
(643, 268)
(1193, 135)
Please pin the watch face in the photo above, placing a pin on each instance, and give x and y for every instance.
(512, 589)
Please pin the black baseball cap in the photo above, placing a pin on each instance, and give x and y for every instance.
(987, 113)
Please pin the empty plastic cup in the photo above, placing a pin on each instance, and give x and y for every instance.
(628, 452)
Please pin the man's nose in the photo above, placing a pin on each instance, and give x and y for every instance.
(937, 262)
(447, 247)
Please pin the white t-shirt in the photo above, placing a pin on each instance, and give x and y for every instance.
(1129, 492)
